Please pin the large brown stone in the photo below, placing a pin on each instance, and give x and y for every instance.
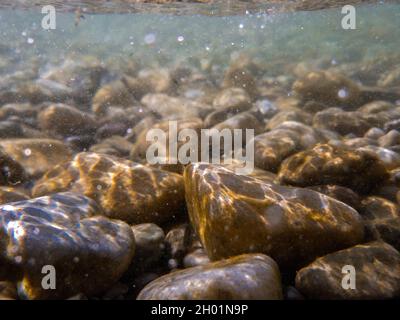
(291, 225)
(126, 190)
(68, 232)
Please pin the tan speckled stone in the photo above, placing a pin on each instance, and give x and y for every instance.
(126, 190)
(235, 214)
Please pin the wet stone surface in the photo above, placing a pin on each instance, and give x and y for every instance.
(377, 266)
(291, 225)
(125, 190)
(382, 220)
(327, 164)
(69, 232)
(249, 276)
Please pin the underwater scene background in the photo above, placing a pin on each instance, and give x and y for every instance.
(85, 215)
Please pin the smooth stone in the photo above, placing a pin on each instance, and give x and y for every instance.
(196, 258)
(11, 171)
(355, 143)
(376, 107)
(272, 147)
(340, 193)
(36, 156)
(389, 158)
(359, 170)
(157, 80)
(66, 120)
(67, 231)
(263, 175)
(79, 143)
(126, 190)
(382, 220)
(249, 276)
(392, 138)
(377, 267)
(374, 133)
(243, 121)
(223, 114)
(110, 129)
(291, 225)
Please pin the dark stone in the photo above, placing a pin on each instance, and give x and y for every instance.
(377, 267)
(250, 276)
(88, 251)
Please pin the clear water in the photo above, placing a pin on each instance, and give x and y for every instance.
(162, 39)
